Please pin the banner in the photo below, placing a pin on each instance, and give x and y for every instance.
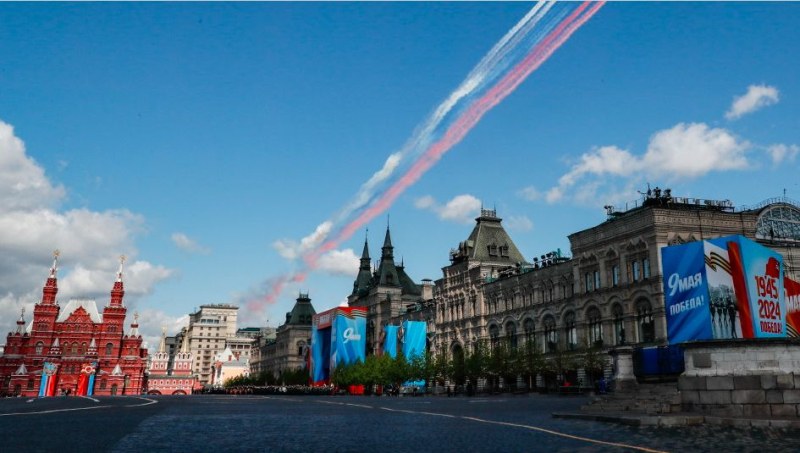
(348, 336)
(47, 386)
(86, 379)
(791, 291)
(729, 287)
(414, 338)
(320, 352)
(390, 340)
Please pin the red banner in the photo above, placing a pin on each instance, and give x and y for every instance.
(791, 289)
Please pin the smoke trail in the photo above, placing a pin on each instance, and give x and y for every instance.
(524, 48)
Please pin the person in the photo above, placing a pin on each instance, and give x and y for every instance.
(603, 386)
(449, 393)
(469, 388)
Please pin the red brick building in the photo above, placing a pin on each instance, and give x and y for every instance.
(88, 351)
(175, 378)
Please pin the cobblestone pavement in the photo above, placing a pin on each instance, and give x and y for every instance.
(347, 424)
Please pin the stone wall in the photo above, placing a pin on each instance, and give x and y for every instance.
(742, 378)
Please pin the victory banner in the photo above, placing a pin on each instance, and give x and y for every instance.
(47, 386)
(348, 336)
(729, 287)
(791, 291)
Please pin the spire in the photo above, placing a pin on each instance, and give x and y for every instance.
(135, 325)
(55, 348)
(118, 292)
(92, 348)
(361, 284)
(21, 322)
(387, 241)
(119, 272)
(162, 346)
(51, 286)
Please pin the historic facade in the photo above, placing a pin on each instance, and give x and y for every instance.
(386, 293)
(171, 374)
(608, 293)
(77, 347)
(289, 349)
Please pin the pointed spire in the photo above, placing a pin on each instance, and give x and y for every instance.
(55, 348)
(118, 292)
(51, 286)
(117, 371)
(92, 348)
(54, 269)
(21, 322)
(119, 272)
(22, 370)
(162, 346)
(135, 325)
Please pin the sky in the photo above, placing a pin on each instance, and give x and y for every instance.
(211, 143)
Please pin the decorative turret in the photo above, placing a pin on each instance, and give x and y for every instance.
(119, 290)
(55, 348)
(135, 326)
(51, 287)
(21, 322)
(387, 272)
(92, 348)
(361, 284)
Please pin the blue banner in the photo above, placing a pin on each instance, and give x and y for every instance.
(414, 338)
(320, 354)
(348, 337)
(685, 293)
(390, 340)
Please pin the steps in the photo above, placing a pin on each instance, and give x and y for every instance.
(647, 399)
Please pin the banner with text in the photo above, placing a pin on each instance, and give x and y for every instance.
(729, 287)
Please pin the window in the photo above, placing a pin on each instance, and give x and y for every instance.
(596, 279)
(39, 347)
(550, 334)
(615, 275)
(74, 348)
(511, 335)
(646, 267)
(595, 327)
(494, 335)
(30, 384)
(109, 348)
(588, 279)
(619, 327)
(530, 332)
(644, 316)
(635, 271)
(571, 331)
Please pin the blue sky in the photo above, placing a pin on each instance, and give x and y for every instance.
(194, 137)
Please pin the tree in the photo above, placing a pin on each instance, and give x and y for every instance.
(531, 361)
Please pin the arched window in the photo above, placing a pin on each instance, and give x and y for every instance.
(494, 335)
(779, 221)
(511, 335)
(644, 318)
(570, 330)
(109, 348)
(550, 334)
(74, 349)
(82, 350)
(39, 347)
(530, 332)
(619, 326)
(595, 327)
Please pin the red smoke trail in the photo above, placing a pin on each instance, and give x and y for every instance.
(459, 129)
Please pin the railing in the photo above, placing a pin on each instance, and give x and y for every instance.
(769, 201)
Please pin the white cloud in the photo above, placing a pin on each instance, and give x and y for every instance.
(187, 244)
(757, 96)
(684, 151)
(692, 150)
(462, 208)
(32, 226)
(152, 320)
(291, 250)
(780, 153)
(339, 262)
(530, 193)
(519, 223)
